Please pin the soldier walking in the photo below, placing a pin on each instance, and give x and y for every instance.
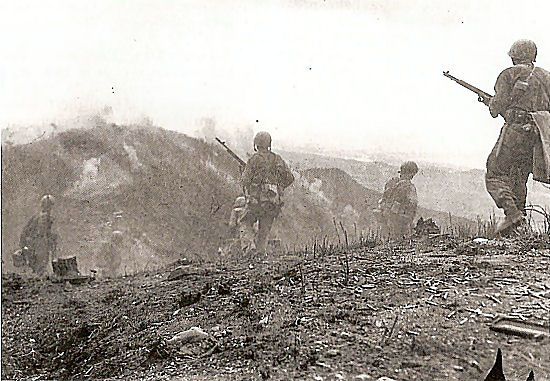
(522, 92)
(264, 179)
(397, 207)
(37, 241)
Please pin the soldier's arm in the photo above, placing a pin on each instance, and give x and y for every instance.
(246, 177)
(285, 174)
(27, 233)
(412, 202)
(503, 89)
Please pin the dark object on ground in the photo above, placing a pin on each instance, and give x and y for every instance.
(497, 374)
(189, 297)
(66, 270)
(426, 227)
(19, 259)
(65, 267)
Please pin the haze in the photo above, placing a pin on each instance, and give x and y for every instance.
(357, 78)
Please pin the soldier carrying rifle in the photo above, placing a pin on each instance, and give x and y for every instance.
(264, 178)
(522, 98)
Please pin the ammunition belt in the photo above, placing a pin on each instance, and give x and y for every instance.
(518, 116)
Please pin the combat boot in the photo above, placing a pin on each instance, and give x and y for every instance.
(512, 220)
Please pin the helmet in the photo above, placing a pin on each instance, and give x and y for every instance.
(117, 236)
(262, 140)
(240, 202)
(46, 203)
(523, 50)
(409, 167)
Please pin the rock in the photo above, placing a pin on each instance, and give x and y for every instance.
(192, 335)
(188, 297)
(363, 376)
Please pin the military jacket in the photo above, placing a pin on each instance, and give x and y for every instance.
(400, 198)
(523, 87)
(265, 176)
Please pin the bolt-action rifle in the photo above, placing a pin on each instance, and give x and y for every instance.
(482, 96)
(242, 163)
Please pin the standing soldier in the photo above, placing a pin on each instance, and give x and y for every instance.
(397, 207)
(520, 91)
(110, 255)
(264, 178)
(37, 241)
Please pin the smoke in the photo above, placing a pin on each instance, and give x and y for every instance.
(238, 138)
(132, 156)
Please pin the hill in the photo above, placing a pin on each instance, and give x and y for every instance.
(170, 194)
(460, 192)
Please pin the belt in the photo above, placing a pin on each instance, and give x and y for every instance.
(518, 116)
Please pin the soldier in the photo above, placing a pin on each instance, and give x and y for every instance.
(264, 178)
(397, 207)
(110, 255)
(236, 213)
(520, 90)
(37, 241)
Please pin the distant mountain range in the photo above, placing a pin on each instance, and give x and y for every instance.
(459, 192)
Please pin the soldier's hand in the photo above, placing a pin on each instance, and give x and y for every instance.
(483, 100)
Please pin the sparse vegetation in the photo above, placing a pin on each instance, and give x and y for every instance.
(341, 302)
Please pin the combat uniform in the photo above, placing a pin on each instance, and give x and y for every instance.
(110, 256)
(37, 241)
(236, 213)
(398, 208)
(520, 90)
(264, 178)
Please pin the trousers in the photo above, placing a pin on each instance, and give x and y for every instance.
(264, 215)
(508, 167)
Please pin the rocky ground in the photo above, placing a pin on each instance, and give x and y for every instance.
(416, 311)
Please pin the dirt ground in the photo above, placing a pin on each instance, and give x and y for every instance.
(417, 311)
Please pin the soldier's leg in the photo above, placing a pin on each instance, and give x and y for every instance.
(401, 228)
(266, 222)
(247, 235)
(523, 167)
(520, 178)
(498, 179)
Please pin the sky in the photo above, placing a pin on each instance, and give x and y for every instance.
(358, 78)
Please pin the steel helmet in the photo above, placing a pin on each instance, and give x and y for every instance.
(46, 202)
(116, 236)
(262, 140)
(523, 50)
(409, 167)
(240, 202)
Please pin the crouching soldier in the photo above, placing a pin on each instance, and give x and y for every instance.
(264, 179)
(37, 241)
(397, 207)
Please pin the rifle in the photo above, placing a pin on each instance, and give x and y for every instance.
(482, 96)
(242, 164)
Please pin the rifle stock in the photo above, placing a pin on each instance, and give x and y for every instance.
(482, 96)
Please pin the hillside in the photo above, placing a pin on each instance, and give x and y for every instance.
(170, 195)
(459, 192)
(416, 311)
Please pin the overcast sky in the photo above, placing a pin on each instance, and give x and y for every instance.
(340, 75)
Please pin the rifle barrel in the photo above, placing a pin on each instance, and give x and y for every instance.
(242, 163)
(465, 84)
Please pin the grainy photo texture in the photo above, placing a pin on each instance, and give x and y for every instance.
(275, 190)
